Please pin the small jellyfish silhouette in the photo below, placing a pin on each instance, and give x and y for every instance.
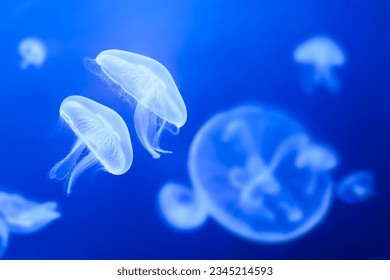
(259, 174)
(180, 207)
(356, 187)
(323, 54)
(33, 52)
(159, 105)
(23, 216)
(102, 137)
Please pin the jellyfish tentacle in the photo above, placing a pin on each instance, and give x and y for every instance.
(156, 139)
(85, 163)
(145, 123)
(65, 166)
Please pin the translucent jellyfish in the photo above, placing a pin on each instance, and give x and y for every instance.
(22, 216)
(159, 104)
(102, 137)
(323, 55)
(33, 52)
(259, 174)
(356, 187)
(4, 233)
(180, 207)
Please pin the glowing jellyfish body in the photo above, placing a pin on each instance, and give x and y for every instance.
(33, 52)
(356, 187)
(243, 164)
(101, 134)
(21, 216)
(180, 207)
(323, 54)
(143, 79)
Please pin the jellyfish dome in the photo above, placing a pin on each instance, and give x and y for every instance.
(159, 104)
(22, 216)
(33, 52)
(356, 187)
(243, 165)
(323, 54)
(181, 207)
(102, 138)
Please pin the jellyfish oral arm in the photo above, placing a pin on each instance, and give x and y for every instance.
(148, 130)
(61, 170)
(85, 163)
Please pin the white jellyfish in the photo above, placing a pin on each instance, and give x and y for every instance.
(33, 52)
(181, 207)
(143, 79)
(23, 216)
(323, 54)
(102, 137)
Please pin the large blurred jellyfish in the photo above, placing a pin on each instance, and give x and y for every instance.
(33, 52)
(159, 105)
(180, 207)
(322, 55)
(102, 137)
(356, 187)
(21, 216)
(260, 175)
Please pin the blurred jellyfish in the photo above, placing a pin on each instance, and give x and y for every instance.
(259, 174)
(143, 79)
(33, 52)
(23, 216)
(4, 233)
(356, 187)
(102, 137)
(180, 207)
(323, 55)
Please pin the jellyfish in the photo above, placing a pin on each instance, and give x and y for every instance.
(243, 165)
(138, 78)
(322, 54)
(33, 52)
(22, 216)
(102, 138)
(356, 187)
(180, 207)
(4, 233)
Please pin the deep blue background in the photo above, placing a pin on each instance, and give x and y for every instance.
(221, 54)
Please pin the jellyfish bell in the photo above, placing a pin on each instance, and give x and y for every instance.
(101, 133)
(356, 187)
(23, 216)
(242, 165)
(159, 105)
(323, 54)
(181, 207)
(33, 52)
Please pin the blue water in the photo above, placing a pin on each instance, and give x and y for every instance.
(221, 54)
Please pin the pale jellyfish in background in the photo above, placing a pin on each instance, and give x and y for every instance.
(323, 55)
(102, 138)
(23, 216)
(180, 207)
(356, 187)
(159, 105)
(33, 52)
(243, 165)
(4, 233)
